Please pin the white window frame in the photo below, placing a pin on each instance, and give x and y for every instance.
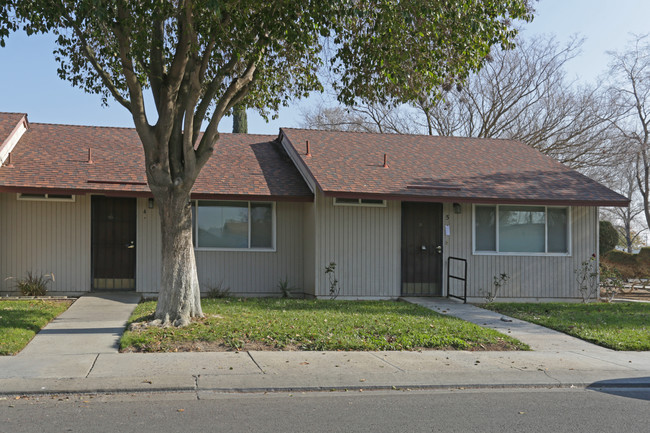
(359, 202)
(195, 233)
(45, 197)
(505, 253)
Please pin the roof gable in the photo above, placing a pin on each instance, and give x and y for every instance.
(431, 168)
(89, 159)
(12, 127)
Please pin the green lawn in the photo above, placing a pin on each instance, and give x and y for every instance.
(290, 324)
(619, 326)
(21, 320)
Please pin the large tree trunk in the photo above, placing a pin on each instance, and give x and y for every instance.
(180, 297)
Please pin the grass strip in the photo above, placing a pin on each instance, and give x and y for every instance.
(21, 320)
(290, 324)
(618, 326)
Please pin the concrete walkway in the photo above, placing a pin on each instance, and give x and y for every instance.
(536, 336)
(77, 353)
(70, 344)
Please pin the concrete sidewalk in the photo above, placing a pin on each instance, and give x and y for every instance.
(77, 354)
(537, 337)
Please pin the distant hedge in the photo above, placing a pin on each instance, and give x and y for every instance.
(621, 257)
(629, 265)
(608, 237)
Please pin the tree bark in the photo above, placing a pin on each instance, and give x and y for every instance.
(179, 299)
(239, 119)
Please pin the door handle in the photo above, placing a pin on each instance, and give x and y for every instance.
(130, 245)
(439, 249)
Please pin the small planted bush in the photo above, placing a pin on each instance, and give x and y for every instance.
(34, 285)
(218, 291)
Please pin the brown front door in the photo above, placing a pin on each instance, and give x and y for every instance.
(421, 249)
(113, 243)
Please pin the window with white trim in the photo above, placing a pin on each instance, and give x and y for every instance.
(234, 225)
(527, 230)
(45, 197)
(359, 202)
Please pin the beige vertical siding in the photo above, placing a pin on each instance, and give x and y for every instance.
(148, 257)
(364, 242)
(44, 237)
(245, 273)
(309, 249)
(531, 277)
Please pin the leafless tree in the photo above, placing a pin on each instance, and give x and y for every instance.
(524, 94)
(630, 90)
(521, 94)
(336, 118)
(363, 117)
(622, 179)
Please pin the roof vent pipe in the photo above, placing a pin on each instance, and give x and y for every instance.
(385, 160)
(90, 155)
(308, 150)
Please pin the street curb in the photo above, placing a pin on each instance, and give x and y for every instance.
(84, 387)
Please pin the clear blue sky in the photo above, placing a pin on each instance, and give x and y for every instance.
(29, 82)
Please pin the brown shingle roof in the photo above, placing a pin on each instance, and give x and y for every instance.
(430, 168)
(55, 158)
(8, 122)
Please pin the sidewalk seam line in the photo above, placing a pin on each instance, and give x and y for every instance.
(92, 366)
(392, 365)
(255, 362)
(588, 355)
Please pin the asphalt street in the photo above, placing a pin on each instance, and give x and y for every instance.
(455, 410)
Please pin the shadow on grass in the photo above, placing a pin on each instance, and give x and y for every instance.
(30, 320)
(333, 306)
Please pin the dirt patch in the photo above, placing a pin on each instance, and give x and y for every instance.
(218, 346)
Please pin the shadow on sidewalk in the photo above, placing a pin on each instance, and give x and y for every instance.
(114, 330)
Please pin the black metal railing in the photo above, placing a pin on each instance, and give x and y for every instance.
(456, 277)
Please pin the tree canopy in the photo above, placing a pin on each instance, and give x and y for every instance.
(199, 58)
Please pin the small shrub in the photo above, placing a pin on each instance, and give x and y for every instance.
(33, 285)
(285, 288)
(335, 289)
(497, 282)
(218, 291)
(611, 281)
(587, 278)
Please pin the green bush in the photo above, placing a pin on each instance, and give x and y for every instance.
(608, 237)
(33, 285)
(621, 257)
(644, 254)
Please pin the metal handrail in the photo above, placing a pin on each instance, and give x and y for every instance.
(463, 279)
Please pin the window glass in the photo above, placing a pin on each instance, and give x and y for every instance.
(261, 225)
(222, 224)
(486, 233)
(347, 201)
(557, 230)
(521, 229)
